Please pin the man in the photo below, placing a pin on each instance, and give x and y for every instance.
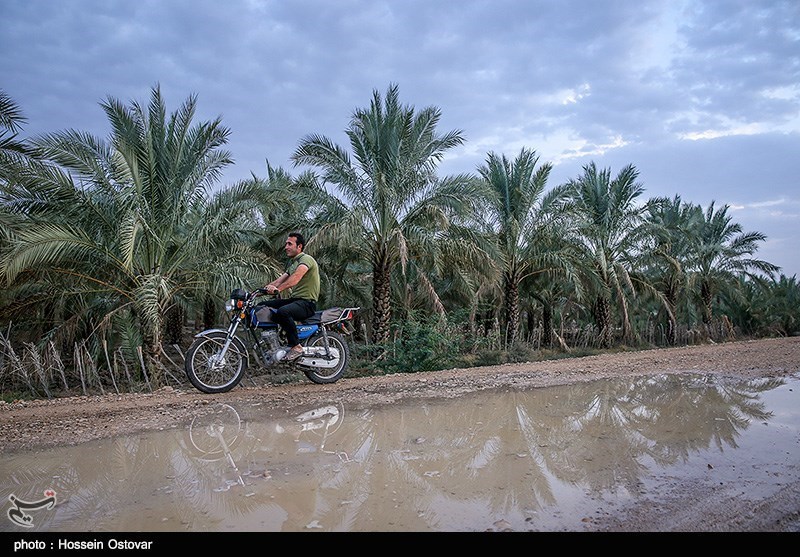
(302, 277)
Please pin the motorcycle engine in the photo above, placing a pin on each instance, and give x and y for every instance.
(270, 338)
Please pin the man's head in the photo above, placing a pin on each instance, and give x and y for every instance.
(294, 244)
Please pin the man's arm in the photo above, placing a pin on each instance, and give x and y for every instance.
(301, 270)
(285, 281)
(272, 287)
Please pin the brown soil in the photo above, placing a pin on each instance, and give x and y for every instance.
(28, 425)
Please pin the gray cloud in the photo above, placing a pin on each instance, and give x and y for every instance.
(703, 97)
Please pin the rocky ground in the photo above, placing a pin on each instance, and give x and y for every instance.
(28, 425)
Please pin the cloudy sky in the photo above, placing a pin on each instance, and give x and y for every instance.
(703, 98)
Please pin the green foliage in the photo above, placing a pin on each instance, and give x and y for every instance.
(783, 306)
(100, 240)
(526, 222)
(763, 306)
(420, 343)
(127, 227)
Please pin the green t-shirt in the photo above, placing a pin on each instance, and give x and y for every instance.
(308, 287)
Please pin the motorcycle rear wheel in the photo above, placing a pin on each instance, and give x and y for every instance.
(209, 376)
(330, 374)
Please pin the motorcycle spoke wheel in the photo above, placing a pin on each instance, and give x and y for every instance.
(329, 374)
(208, 371)
(213, 432)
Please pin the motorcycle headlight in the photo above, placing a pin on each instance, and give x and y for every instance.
(237, 300)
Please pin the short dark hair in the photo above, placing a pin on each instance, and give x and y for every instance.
(298, 238)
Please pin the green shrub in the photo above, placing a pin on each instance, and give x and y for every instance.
(419, 344)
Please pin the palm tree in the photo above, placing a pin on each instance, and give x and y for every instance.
(672, 223)
(782, 305)
(524, 218)
(12, 154)
(611, 229)
(463, 275)
(720, 252)
(554, 295)
(11, 122)
(388, 204)
(121, 233)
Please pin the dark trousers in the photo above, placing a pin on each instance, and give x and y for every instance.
(289, 311)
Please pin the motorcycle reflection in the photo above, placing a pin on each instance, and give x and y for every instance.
(218, 432)
(214, 432)
(322, 422)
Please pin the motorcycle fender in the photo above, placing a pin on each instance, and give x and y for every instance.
(224, 331)
(207, 331)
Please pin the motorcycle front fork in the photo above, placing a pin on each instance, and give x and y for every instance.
(220, 356)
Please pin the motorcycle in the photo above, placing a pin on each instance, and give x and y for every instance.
(217, 359)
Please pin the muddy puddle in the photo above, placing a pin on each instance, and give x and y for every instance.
(549, 459)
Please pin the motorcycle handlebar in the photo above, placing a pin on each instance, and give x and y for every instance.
(261, 292)
(256, 293)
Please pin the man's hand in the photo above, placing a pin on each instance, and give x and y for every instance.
(271, 289)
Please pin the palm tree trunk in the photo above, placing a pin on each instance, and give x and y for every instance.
(209, 313)
(707, 296)
(152, 359)
(512, 309)
(174, 332)
(602, 317)
(671, 296)
(547, 325)
(381, 298)
(530, 323)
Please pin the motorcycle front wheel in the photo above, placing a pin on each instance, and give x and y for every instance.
(324, 375)
(208, 370)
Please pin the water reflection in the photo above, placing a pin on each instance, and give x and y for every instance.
(544, 459)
